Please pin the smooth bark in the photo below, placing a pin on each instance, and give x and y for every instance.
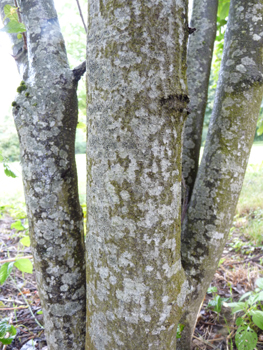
(45, 112)
(230, 137)
(199, 57)
(137, 99)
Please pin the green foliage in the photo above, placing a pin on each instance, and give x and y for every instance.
(251, 198)
(5, 271)
(216, 303)
(14, 25)
(180, 328)
(259, 131)
(222, 15)
(9, 145)
(7, 169)
(223, 9)
(251, 317)
(25, 241)
(250, 226)
(24, 265)
(246, 338)
(18, 226)
(5, 328)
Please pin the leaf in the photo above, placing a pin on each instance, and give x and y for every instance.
(239, 321)
(5, 271)
(24, 265)
(8, 171)
(3, 328)
(25, 241)
(2, 304)
(246, 338)
(257, 317)
(180, 328)
(260, 130)
(245, 295)
(40, 312)
(14, 27)
(211, 290)
(19, 36)
(218, 304)
(224, 11)
(259, 283)
(11, 330)
(81, 126)
(18, 226)
(255, 298)
(236, 307)
(7, 340)
(11, 13)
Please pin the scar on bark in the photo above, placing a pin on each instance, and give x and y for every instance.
(177, 102)
(191, 30)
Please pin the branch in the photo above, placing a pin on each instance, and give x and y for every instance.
(24, 35)
(79, 71)
(17, 258)
(80, 12)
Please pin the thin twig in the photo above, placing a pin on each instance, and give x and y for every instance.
(12, 308)
(11, 301)
(14, 259)
(254, 259)
(204, 341)
(80, 12)
(20, 20)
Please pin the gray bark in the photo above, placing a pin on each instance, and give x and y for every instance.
(137, 98)
(230, 136)
(45, 114)
(199, 57)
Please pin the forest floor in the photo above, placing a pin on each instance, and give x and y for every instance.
(240, 266)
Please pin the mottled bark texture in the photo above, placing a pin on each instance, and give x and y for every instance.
(137, 99)
(45, 113)
(199, 57)
(230, 136)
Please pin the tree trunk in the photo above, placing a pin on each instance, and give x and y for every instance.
(137, 99)
(199, 57)
(230, 137)
(45, 113)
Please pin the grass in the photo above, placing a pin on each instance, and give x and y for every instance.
(251, 197)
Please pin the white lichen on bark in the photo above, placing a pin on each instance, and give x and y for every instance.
(136, 109)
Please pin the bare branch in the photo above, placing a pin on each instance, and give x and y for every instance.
(79, 71)
(80, 12)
